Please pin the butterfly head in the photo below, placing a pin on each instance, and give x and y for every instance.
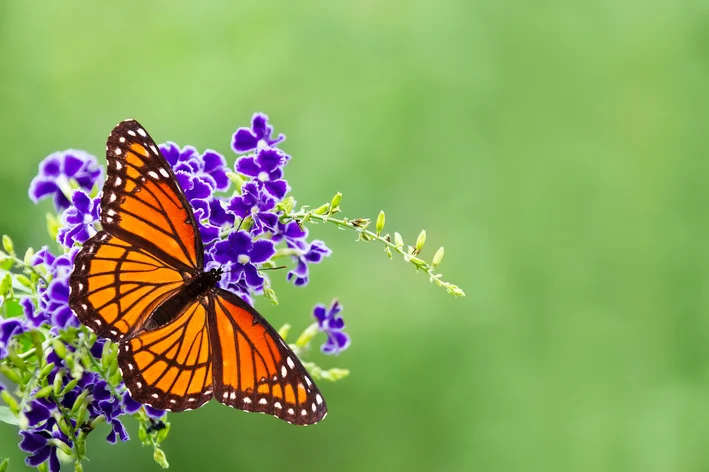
(215, 274)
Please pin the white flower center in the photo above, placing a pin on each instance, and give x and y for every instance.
(254, 209)
(88, 218)
(243, 259)
(263, 176)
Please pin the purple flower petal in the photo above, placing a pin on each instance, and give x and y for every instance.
(240, 243)
(33, 441)
(262, 251)
(277, 188)
(269, 159)
(253, 279)
(243, 140)
(40, 456)
(40, 188)
(247, 165)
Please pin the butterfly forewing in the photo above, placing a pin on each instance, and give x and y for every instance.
(143, 203)
(115, 286)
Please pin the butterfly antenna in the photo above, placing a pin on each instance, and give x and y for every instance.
(273, 268)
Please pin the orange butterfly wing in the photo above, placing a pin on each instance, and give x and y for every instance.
(254, 369)
(149, 244)
(170, 368)
(116, 286)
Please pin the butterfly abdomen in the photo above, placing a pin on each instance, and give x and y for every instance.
(194, 289)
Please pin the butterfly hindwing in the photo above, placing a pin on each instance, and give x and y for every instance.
(170, 367)
(254, 369)
(115, 286)
(143, 203)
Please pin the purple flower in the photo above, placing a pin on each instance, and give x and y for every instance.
(39, 411)
(210, 167)
(9, 328)
(241, 254)
(248, 139)
(79, 220)
(256, 203)
(310, 253)
(57, 169)
(54, 299)
(331, 323)
(266, 168)
(34, 317)
(131, 406)
(37, 443)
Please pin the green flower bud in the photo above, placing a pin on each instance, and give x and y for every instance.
(29, 254)
(335, 374)
(160, 459)
(11, 374)
(270, 295)
(4, 465)
(143, 434)
(335, 203)
(58, 383)
(307, 335)
(286, 204)
(162, 434)
(45, 370)
(7, 244)
(420, 241)
(69, 387)
(438, 257)
(398, 240)
(53, 225)
(78, 467)
(322, 209)
(24, 281)
(10, 401)
(44, 392)
(380, 222)
(455, 291)
(237, 180)
(59, 348)
(388, 251)
(283, 332)
(5, 285)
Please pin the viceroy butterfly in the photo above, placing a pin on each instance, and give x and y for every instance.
(140, 282)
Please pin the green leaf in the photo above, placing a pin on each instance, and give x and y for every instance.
(6, 416)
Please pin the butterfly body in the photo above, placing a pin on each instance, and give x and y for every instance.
(141, 282)
(196, 288)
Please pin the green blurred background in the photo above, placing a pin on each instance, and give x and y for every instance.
(557, 149)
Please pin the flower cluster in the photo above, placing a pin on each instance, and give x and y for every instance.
(63, 381)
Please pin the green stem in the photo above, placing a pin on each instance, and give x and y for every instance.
(369, 235)
(22, 264)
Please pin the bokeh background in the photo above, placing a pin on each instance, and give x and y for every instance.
(557, 149)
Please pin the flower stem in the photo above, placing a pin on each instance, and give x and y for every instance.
(304, 216)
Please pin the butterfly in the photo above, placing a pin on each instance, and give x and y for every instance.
(141, 282)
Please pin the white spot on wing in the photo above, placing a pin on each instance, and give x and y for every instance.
(313, 407)
(118, 151)
(155, 395)
(131, 132)
(138, 384)
(284, 372)
(164, 172)
(142, 132)
(122, 139)
(112, 198)
(247, 400)
(263, 401)
(318, 399)
(278, 405)
(233, 395)
(153, 174)
(303, 412)
(290, 411)
(152, 146)
(291, 364)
